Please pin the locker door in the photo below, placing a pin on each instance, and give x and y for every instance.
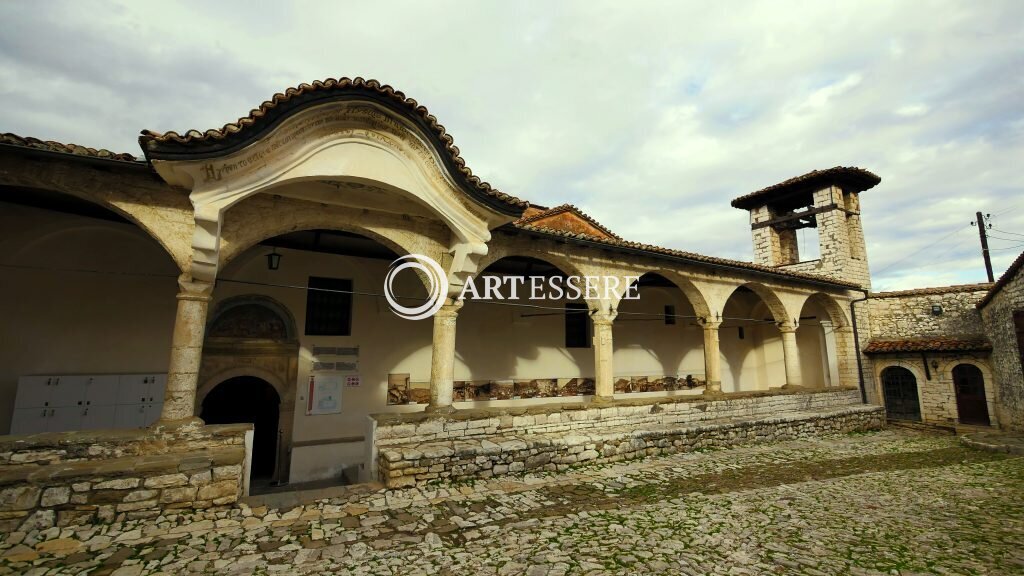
(98, 417)
(157, 383)
(129, 416)
(34, 391)
(29, 420)
(133, 388)
(101, 390)
(153, 412)
(68, 390)
(64, 419)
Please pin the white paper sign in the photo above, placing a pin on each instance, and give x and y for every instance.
(324, 394)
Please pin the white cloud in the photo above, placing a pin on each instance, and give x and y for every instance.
(650, 116)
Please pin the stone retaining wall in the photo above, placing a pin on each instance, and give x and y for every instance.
(416, 448)
(58, 479)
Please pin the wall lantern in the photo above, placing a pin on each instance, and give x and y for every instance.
(936, 309)
(273, 260)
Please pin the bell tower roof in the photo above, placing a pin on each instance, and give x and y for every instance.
(798, 192)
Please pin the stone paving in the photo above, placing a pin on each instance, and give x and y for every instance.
(891, 502)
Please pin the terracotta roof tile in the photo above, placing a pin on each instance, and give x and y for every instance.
(61, 148)
(851, 178)
(240, 132)
(1003, 280)
(934, 291)
(534, 216)
(698, 258)
(937, 344)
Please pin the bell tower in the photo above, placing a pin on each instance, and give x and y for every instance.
(828, 200)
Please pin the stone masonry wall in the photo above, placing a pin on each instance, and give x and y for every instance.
(908, 314)
(416, 448)
(936, 392)
(67, 478)
(1006, 356)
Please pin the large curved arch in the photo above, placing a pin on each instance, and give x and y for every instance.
(836, 314)
(770, 298)
(690, 290)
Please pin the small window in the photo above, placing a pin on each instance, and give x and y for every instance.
(740, 332)
(577, 325)
(329, 307)
(670, 314)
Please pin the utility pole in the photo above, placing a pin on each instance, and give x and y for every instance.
(983, 225)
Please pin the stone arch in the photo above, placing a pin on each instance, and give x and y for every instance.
(771, 301)
(837, 315)
(240, 317)
(919, 377)
(271, 377)
(686, 286)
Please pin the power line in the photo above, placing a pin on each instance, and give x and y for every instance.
(922, 249)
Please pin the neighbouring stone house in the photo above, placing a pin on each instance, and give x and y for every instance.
(1002, 313)
(237, 275)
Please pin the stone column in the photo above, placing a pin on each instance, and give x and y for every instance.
(790, 354)
(442, 360)
(604, 373)
(712, 358)
(186, 352)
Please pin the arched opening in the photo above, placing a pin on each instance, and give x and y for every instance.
(971, 404)
(95, 297)
(659, 345)
(899, 387)
(318, 327)
(750, 342)
(247, 399)
(521, 347)
(818, 340)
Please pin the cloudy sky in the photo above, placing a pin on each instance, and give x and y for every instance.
(649, 116)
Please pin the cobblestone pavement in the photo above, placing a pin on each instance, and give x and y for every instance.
(891, 502)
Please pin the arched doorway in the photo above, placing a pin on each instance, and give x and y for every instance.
(900, 391)
(250, 400)
(969, 384)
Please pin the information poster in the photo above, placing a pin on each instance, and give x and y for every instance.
(324, 394)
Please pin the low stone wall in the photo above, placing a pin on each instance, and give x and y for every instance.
(66, 478)
(416, 448)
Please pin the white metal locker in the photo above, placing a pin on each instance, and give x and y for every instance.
(134, 388)
(33, 391)
(99, 417)
(64, 419)
(29, 420)
(130, 416)
(101, 390)
(67, 390)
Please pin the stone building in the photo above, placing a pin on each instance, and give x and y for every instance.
(237, 275)
(1002, 314)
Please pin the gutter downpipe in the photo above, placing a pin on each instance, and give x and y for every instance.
(856, 344)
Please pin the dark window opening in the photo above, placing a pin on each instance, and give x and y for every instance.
(577, 325)
(670, 314)
(329, 307)
(741, 332)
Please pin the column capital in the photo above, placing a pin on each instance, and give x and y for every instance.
(786, 327)
(603, 317)
(191, 289)
(709, 324)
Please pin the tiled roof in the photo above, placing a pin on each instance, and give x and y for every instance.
(541, 214)
(698, 258)
(850, 178)
(934, 291)
(1003, 280)
(60, 148)
(938, 344)
(193, 143)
